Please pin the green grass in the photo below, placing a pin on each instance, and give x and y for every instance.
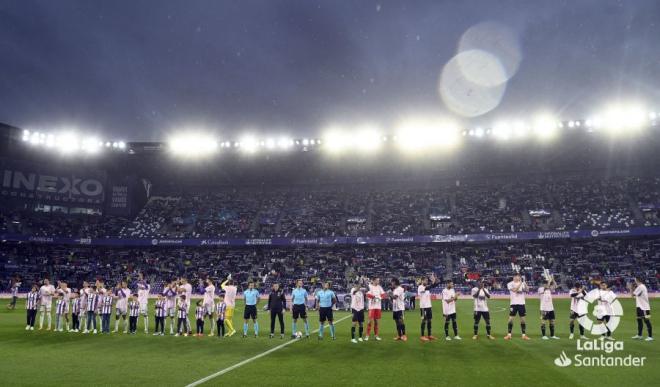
(40, 357)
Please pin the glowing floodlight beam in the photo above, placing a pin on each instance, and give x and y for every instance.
(190, 145)
(623, 119)
(249, 144)
(366, 139)
(424, 134)
(502, 131)
(336, 140)
(67, 143)
(284, 143)
(90, 145)
(545, 127)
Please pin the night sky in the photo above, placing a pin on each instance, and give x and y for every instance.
(138, 70)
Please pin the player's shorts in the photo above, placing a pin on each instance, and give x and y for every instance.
(375, 314)
(229, 313)
(358, 315)
(45, 307)
(121, 310)
(299, 311)
(250, 312)
(604, 318)
(547, 314)
(451, 316)
(574, 315)
(643, 313)
(171, 311)
(144, 308)
(517, 310)
(209, 306)
(478, 315)
(426, 313)
(325, 314)
(397, 315)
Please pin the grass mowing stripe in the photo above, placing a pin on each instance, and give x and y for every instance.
(249, 360)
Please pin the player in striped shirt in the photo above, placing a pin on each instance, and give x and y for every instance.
(397, 296)
(220, 309)
(92, 306)
(547, 308)
(143, 289)
(123, 294)
(61, 309)
(449, 298)
(425, 306)
(209, 296)
(63, 289)
(230, 299)
(357, 309)
(106, 311)
(31, 306)
(481, 296)
(75, 312)
(200, 313)
(133, 313)
(160, 309)
(170, 303)
(576, 294)
(182, 314)
(643, 307)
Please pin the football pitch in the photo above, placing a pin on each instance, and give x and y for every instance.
(61, 358)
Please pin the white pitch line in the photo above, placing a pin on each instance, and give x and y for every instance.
(246, 361)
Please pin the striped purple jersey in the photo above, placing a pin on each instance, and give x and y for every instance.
(161, 310)
(133, 308)
(61, 306)
(220, 309)
(32, 300)
(183, 309)
(106, 305)
(200, 311)
(75, 306)
(92, 302)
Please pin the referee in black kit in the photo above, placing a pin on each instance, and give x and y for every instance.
(276, 305)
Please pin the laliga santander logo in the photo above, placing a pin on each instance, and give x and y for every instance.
(563, 360)
(599, 311)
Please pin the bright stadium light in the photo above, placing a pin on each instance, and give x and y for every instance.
(190, 145)
(336, 140)
(545, 127)
(367, 139)
(67, 143)
(622, 119)
(284, 143)
(502, 131)
(248, 144)
(424, 134)
(90, 145)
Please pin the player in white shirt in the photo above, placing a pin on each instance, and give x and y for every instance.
(123, 293)
(230, 299)
(84, 296)
(604, 308)
(481, 295)
(449, 298)
(186, 288)
(143, 290)
(577, 293)
(517, 289)
(425, 306)
(641, 294)
(357, 308)
(169, 292)
(46, 293)
(398, 296)
(209, 303)
(374, 295)
(547, 308)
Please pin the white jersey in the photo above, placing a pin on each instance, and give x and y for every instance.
(424, 295)
(576, 296)
(46, 293)
(357, 299)
(480, 299)
(209, 294)
(517, 297)
(66, 294)
(448, 303)
(377, 292)
(642, 297)
(605, 300)
(143, 292)
(230, 295)
(398, 299)
(545, 298)
(122, 298)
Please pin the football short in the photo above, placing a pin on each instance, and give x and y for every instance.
(358, 315)
(144, 308)
(209, 307)
(517, 310)
(121, 310)
(250, 312)
(643, 313)
(547, 314)
(426, 313)
(397, 315)
(299, 311)
(45, 307)
(375, 314)
(451, 316)
(171, 311)
(325, 314)
(229, 313)
(478, 315)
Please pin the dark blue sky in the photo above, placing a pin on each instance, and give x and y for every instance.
(139, 69)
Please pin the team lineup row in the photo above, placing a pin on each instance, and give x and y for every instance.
(79, 310)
